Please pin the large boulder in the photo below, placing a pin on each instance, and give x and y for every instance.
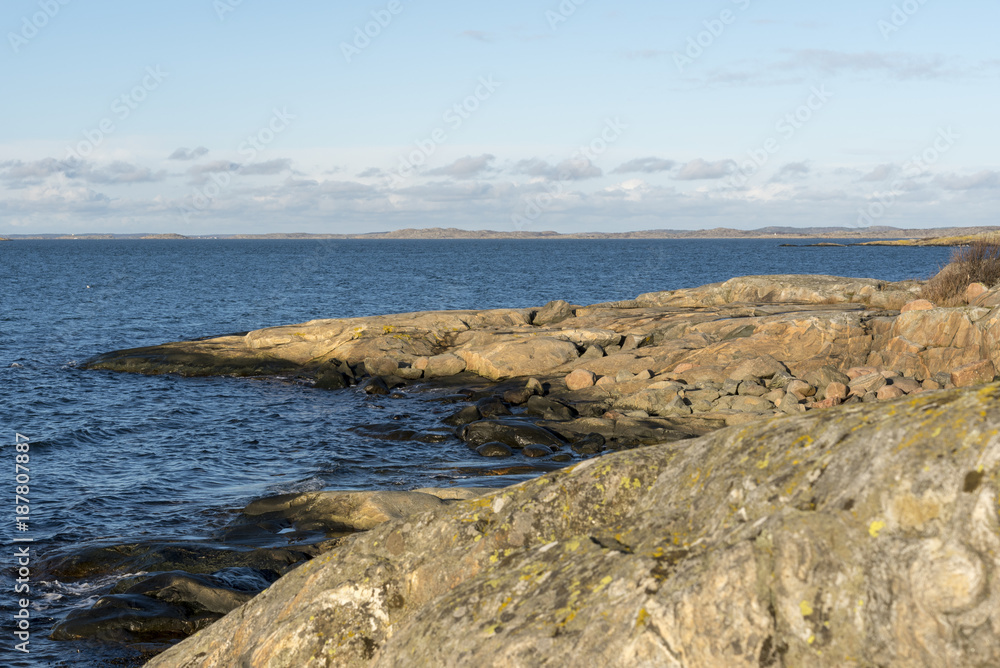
(341, 511)
(552, 313)
(519, 357)
(860, 535)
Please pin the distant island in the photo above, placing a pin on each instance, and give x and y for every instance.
(938, 236)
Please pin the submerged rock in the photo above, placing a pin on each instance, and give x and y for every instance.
(862, 535)
(513, 433)
(161, 608)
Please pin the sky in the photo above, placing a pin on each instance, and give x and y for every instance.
(248, 116)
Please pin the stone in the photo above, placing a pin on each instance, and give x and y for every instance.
(516, 397)
(635, 341)
(381, 366)
(790, 404)
(707, 395)
(930, 384)
(759, 367)
(593, 351)
(536, 451)
(666, 385)
(491, 407)
(550, 409)
(823, 376)
(510, 432)
(731, 386)
(775, 396)
(439, 366)
(973, 374)
(889, 392)
(907, 385)
(868, 383)
(780, 381)
(580, 379)
(463, 416)
(534, 386)
(838, 391)
(494, 449)
(857, 372)
(374, 385)
(917, 305)
(605, 381)
(552, 313)
(752, 405)
(167, 605)
(943, 378)
(336, 510)
(508, 359)
(332, 380)
(829, 402)
(653, 402)
(624, 376)
(750, 388)
(974, 291)
(591, 444)
(409, 373)
(800, 389)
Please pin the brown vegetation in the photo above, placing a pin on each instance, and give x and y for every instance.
(978, 262)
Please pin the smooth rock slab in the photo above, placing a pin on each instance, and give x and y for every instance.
(509, 359)
(789, 541)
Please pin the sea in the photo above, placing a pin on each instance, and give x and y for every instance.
(120, 458)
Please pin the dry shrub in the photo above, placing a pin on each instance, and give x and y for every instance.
(979, 262)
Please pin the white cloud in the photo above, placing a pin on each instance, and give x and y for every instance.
(466, 168)
(572, 169)
(699, 169)
(185, 154)
(983, 180)
(267, 168)
(645, 165)
(880, 173)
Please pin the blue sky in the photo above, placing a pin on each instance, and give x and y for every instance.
(226, 116)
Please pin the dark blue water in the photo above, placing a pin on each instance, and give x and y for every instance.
(120, 458)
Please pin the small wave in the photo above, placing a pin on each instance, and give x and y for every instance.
(81, 593)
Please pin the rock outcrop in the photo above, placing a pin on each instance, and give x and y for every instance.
(729, 352)
(866, 535)
(846, 517)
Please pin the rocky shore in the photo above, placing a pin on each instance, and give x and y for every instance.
(857, 528)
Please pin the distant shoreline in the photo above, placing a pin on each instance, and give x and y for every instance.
(919, 237)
